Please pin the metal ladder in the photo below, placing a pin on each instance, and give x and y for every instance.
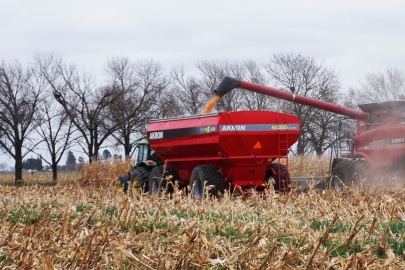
(283, 159)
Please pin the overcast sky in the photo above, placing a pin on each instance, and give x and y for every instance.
(353, 37)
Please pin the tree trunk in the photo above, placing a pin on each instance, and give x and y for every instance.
(300, 145)
(18, 165)
(127, 146)
(54, 172)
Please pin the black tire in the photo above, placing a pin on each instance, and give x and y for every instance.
(123, 180)
(140, 175)
(339, 177)
(361, 171)
(203, 176)
(398, 165)
(280, 175)
(158, 180)
(346, 172)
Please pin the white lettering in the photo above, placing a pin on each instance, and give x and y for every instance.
(233, 128)
(156, 135)
(398, 140)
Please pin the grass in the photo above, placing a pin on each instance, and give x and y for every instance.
(89, 225)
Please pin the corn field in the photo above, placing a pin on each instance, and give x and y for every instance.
(84, 223)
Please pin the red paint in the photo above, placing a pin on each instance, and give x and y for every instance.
(265, 90)
(380, 135)
(236, 153)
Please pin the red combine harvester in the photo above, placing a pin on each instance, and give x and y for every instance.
(380, 141)
(228, 150)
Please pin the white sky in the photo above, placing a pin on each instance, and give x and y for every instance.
(353, 37)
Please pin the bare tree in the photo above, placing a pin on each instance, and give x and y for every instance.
(323, 131)
(168, 105)
(56, 130)
(382, 86)
(19, 98)
(253, 101)
(189, 91)
(304, 76)
(86, 104)
(142, 85)
(212, 73)
(346, 128)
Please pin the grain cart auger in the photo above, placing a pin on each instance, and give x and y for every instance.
(379, 144)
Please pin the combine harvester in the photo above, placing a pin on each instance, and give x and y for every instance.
(379, 145)
(237, 151)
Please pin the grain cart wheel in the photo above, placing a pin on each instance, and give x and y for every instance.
(273, 171)
(158, 179)
(206, 176)
(140, 179)
(173, 175)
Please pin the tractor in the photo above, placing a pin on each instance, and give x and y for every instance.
(146, 160)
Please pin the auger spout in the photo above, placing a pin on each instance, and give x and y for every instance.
(228, 84)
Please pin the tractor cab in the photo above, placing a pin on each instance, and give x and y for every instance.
(146, 156)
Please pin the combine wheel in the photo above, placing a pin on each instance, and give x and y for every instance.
(279, 174)
(343, 174)
(158, 180)
(361, 171)
(339, 176)
(206, 176)
(139, 179)
(398, 166)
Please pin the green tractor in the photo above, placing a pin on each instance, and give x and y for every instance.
(146, 160)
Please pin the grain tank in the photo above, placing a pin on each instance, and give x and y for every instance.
(226, 150)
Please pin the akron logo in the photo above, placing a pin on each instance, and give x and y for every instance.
(156, 135)
(233, 128)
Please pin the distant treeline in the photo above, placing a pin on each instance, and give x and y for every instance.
(58, 106)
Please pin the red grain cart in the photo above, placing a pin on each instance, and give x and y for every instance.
(228, 150)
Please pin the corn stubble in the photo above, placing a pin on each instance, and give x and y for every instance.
(88, 225)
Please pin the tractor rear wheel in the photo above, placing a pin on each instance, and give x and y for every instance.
(206, 176)
(161, 178)
(140, 179)
(279, 173)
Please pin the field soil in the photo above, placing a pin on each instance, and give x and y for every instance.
(85, 223)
